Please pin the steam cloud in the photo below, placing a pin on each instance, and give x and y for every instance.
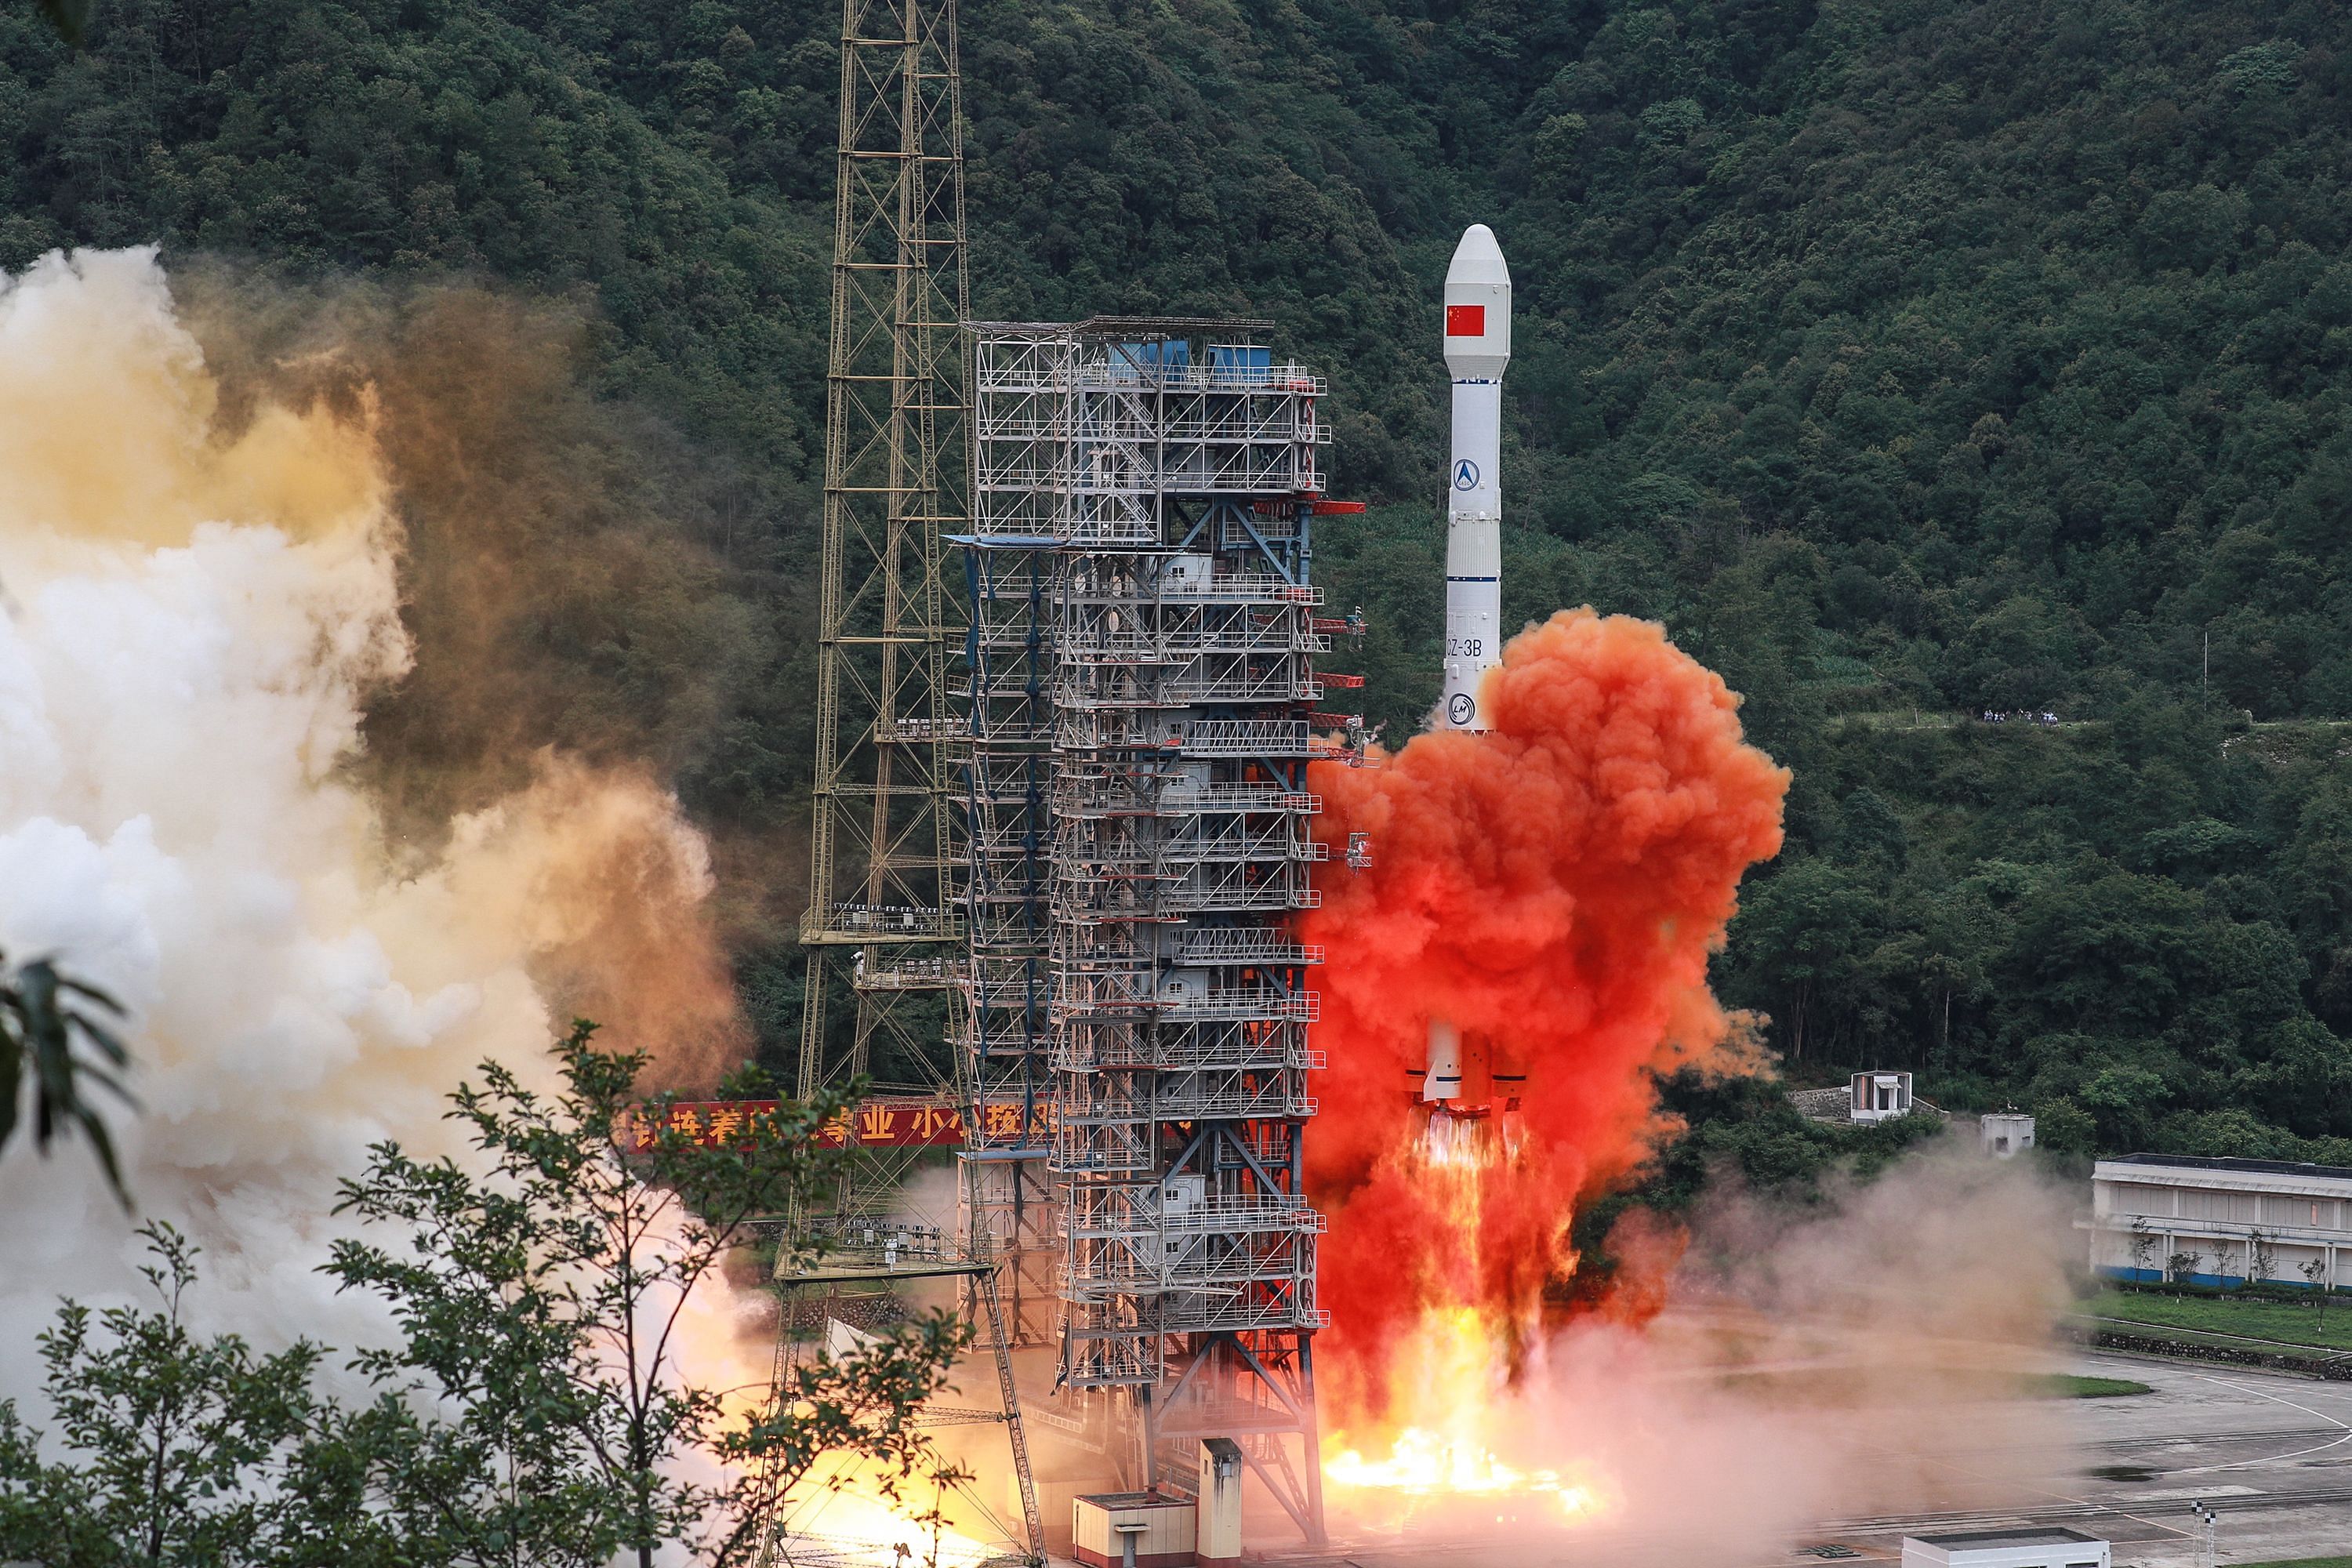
(197, 603)
(1862, 1356)
(1555, 887)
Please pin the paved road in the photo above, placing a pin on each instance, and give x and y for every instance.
(2269, 1453)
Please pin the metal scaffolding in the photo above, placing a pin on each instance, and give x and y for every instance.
(883, 859)
(1141, 700)
(896, 411)
(1000, 1018)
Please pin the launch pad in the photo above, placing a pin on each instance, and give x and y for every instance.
(1063, 824)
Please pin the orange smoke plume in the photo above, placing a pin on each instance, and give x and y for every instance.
(1552, 889)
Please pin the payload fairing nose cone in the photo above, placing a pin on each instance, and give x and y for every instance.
(1477, 347)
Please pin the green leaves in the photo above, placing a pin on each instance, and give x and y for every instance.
(178, 1452)
(540, 1301)
(52, 1026)
(71, 18)
(533, 1409)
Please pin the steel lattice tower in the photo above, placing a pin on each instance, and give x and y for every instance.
(884, 855)
(894, 482)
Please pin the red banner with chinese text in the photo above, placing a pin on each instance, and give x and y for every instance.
(876, 1125)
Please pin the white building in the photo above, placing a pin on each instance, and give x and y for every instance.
(2005, 1133)
(2006, 1549)
(1879, 1096)
(2221, 1222)
(1134, 1530)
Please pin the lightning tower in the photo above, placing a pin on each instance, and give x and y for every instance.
(895, 415)
(883, 851)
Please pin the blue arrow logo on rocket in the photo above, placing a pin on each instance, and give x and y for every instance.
(1465, 475)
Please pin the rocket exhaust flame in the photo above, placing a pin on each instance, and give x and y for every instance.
(1465, 1450)
(1548, 891)
(1423, 1461)
(1526, 938)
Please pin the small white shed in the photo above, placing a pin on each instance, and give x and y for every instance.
(1134, 1530)
(2006, 1133)
(1880, 1096)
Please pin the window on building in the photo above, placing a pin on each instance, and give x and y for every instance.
(2318, 1213)
(2243, 1208)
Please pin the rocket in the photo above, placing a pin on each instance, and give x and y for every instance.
(1462, 1080)
(1478, 346)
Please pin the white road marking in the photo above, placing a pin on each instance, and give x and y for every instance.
(2344, 1427)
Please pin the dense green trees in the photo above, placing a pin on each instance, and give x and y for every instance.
(532, 1404)
(1908, 360)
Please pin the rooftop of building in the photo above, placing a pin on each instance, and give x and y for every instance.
(2247, 1167)
(1984, 1540)
(1125, 328)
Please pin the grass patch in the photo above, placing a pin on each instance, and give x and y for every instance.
(1849, 1387)
(2123, 1473)
(2066, 1385)
(2285, 1322)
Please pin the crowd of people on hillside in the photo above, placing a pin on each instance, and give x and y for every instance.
(2019, 715)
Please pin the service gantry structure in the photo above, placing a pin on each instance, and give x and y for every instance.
(1140, 710)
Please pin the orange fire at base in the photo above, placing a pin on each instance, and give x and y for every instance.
(856, 1524)
(1547, 893)
(1448, 1386)
(1455, 1455)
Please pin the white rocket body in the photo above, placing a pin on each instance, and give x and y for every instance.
(1443, 1079)
(1477, 348)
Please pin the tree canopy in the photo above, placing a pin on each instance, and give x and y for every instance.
(1911, 361)
(535, 1405)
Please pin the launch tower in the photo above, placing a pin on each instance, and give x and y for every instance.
(883, 859)
(1141, 687)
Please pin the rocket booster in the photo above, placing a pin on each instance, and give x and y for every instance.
(1477, 347)
(1460, 1079)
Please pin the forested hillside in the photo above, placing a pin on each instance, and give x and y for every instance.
(1910, 361)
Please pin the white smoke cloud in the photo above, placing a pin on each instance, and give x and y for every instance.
(1867, 1355)
(191, 622)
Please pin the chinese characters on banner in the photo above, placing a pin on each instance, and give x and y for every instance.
(876, 1125)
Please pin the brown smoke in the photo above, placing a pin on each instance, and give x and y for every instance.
(562, 614)
(594, 870)
(206, 583)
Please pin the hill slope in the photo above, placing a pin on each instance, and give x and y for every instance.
(1906, 359)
